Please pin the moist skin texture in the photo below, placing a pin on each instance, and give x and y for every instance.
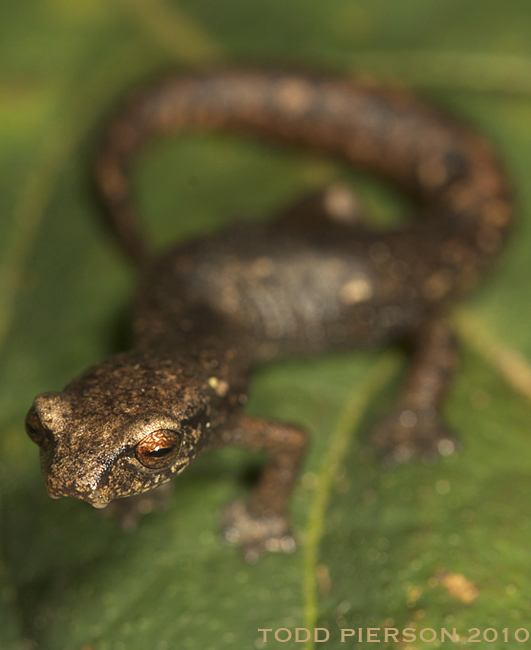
(314, 278)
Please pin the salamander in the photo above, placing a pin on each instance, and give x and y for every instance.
(314, 278)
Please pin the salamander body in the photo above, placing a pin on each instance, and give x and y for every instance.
(314, 278)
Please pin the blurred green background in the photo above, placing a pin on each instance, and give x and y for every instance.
(376, 547)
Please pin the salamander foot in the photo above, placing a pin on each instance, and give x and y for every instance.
(408, 433)
(254, 533)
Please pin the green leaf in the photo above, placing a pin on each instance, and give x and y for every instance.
(377, 547)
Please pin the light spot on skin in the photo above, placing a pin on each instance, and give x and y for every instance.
(341, 205)
(437, 285)
(408, 419)
(294, 95)
(356, 290)
(220, 386)
(263, 267)
(446, 447)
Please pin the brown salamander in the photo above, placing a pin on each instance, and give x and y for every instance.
(315, 278)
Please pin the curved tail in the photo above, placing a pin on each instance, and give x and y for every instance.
(445, 167)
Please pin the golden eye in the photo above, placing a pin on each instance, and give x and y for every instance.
(36, 429)
(158, 449)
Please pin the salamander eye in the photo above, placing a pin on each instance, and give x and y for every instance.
(36, 429)
(158, 449)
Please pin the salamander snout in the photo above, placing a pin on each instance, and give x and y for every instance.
(67, 473)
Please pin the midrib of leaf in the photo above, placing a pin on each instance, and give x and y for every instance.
(347, 423)
(509, 363)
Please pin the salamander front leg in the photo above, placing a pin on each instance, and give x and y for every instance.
(260, 523)
(414, 426)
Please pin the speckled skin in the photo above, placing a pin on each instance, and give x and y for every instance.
(315, 278)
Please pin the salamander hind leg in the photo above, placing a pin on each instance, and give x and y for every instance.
(414, 426)
(260, 523)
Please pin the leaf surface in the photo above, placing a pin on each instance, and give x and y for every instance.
(375, 546)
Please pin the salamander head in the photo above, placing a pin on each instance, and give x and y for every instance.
(125, 426)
